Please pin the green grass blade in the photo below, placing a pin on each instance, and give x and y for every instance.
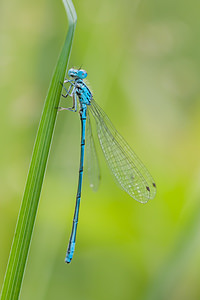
(26, 219)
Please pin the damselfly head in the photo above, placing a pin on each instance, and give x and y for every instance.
(77, 73)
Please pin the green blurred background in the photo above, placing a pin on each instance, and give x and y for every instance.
(143, 63)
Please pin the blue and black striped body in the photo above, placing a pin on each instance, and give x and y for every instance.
(85, 96)
(83, 92)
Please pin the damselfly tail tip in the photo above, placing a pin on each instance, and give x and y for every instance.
(68, 260)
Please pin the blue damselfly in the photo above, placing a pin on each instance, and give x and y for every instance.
(128, 170)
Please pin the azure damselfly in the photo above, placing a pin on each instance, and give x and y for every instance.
(128, 170)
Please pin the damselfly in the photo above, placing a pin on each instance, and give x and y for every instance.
(128, 170)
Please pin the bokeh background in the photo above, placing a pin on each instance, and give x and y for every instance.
(143, 63)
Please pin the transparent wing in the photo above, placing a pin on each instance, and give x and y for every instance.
(92, 159)
(129, 171)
